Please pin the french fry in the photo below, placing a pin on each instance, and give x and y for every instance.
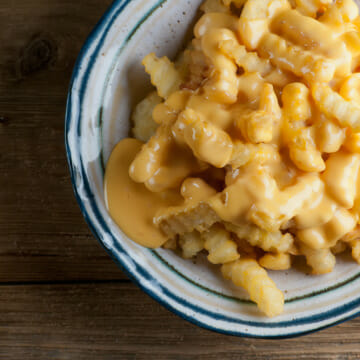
(251, 93)
(269, 102)
(223, 85)
(352, 142)
(171, 244)
(208, 142)
(327, 235)
(274, 242)
(249, 61)
(276, 262)
(321, 261)
(341, 176)
(191, 244)
(271, 217)
(315, 37)
(344, 10)
(215, 21)
(186, 218)
(248, 274)
(256, 126)
(339, 248)
(163, 73)
(334, 105)
(353, 240)
(352, 42)
(296, 102)
(329, 136)
(350, 89)
(218, 242)
(168, 111)
(303, 152)
(293, 58)
(151, 155)
(256, 17)
(144, 125)
(355, 250)
(196, 189)
(244, 153)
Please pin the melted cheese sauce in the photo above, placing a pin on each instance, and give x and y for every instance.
(131, 205)
(198, 131)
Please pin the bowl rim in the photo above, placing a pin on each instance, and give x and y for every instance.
(85, 60)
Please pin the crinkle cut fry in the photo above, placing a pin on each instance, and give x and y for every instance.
(249, 61)
(163, 73)
(293, 58)
(353, 240)
(222, 86)
(248, 274)
(144, 125)
(244, 153)
(148, 160)
(322, 261)
(186, 218)
(191, 244)
(268, 241)
(277, 262)
(256, 17)
(315, 36)
(334, 105)
(221, 247)
(201, 136)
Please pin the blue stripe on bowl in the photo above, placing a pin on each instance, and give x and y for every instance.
(99, 226)
(239, 300)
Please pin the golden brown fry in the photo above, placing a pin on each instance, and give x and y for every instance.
(276, 262)
(163, 73)
(334, 105)
(322, 261)
(248, 274)
(191, 244)
(221, 247)
(293, 58)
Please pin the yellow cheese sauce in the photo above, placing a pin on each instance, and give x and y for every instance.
(131, 205)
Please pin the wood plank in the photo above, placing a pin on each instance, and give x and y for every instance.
(42, 234)
(118, 321)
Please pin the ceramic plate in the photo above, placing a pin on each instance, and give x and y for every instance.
(108, 80)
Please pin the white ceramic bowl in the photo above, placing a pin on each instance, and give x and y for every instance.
(108, 80)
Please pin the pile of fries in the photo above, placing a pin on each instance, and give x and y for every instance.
(257, 125)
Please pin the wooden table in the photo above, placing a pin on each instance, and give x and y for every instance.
(61, 297)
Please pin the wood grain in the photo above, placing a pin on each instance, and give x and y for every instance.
(117, 321)
(61, 297)
(42, 234)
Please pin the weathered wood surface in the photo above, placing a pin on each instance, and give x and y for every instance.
(117, 321)
(61, 297)
(42, 234)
